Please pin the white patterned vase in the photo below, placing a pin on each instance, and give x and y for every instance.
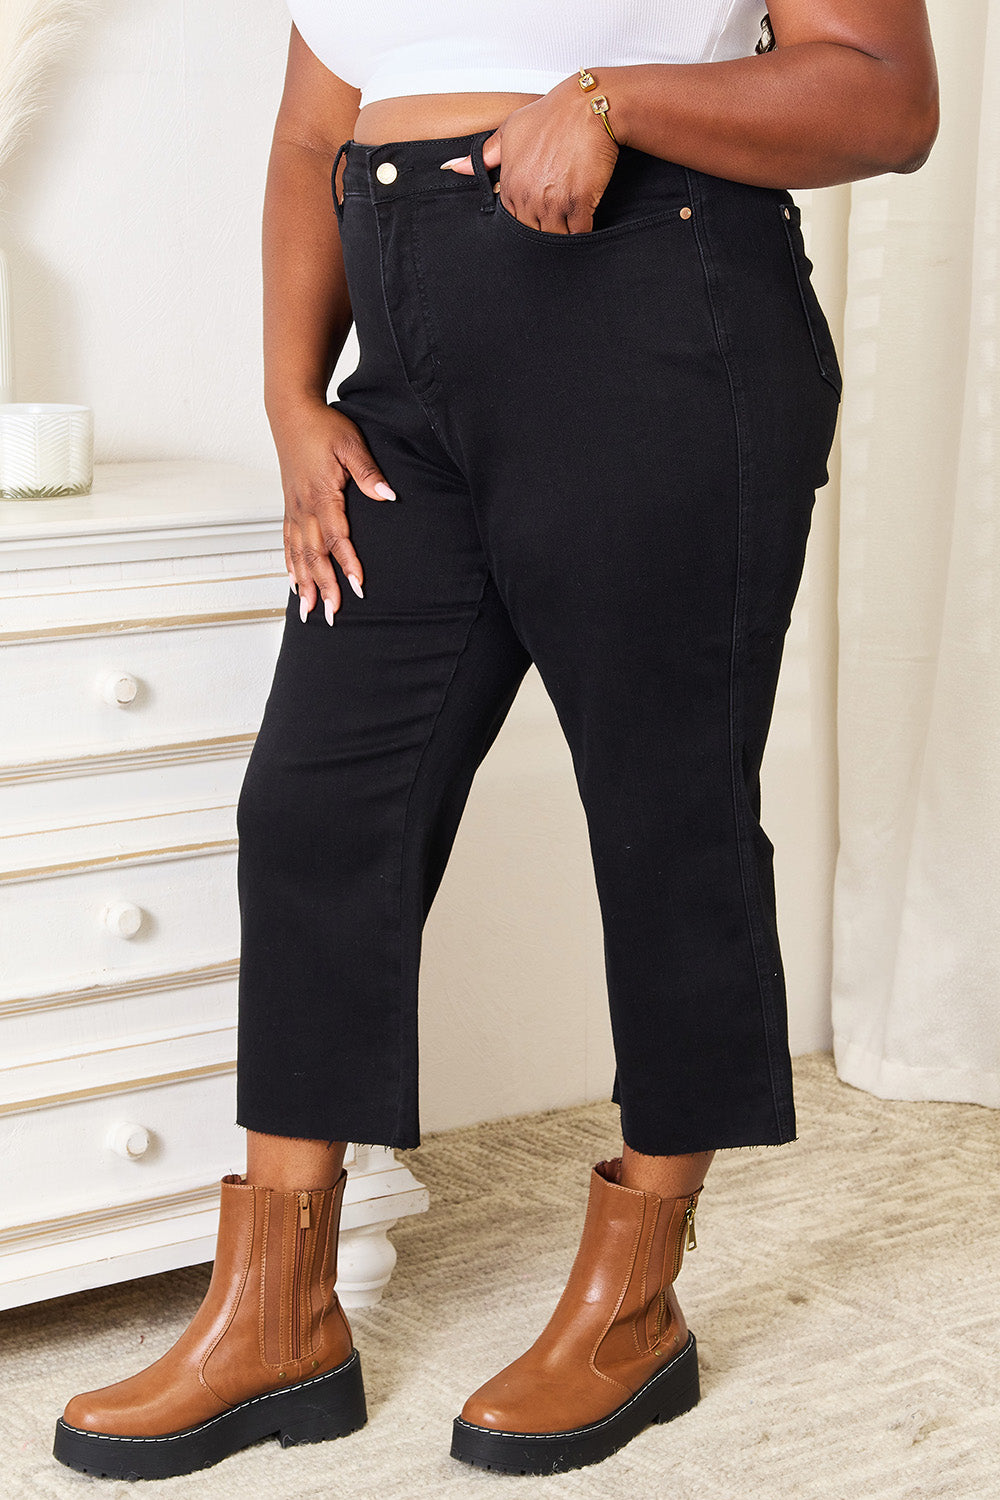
(45, 450)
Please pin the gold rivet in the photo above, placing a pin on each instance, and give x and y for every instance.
(496, 187)
(787, 213)
(386, 172)
(281, 1375)
(315, 1364)
(685, 213)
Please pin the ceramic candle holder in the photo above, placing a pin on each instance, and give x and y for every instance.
(45, 450)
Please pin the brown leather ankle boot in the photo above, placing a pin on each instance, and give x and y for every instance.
(615, 1355)
(268, 1353)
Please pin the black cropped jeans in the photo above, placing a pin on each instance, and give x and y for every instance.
(606, 448)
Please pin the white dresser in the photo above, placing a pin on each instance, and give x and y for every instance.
(138, 631)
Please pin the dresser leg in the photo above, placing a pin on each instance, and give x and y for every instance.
(365, 1261)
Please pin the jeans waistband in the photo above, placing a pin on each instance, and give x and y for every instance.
(401, 169)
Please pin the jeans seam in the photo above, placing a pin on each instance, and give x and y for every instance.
(735, 703)
(474, 616)
(791, 227)
(385, 293)
(435, 387)
(430, 329)
(466, 185)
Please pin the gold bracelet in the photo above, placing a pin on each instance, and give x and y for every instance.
(600, 105)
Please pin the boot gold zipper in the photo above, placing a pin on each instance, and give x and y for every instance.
(687, 1235)
(692, 1243)
(687, 1232)
(305, 1214)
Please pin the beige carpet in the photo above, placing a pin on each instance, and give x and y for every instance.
(844, 1295)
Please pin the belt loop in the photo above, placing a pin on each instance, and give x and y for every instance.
(488, 200)
(337, 203)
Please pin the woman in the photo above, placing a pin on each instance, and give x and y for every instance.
(595, 373)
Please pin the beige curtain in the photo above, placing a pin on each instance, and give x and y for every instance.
(916, 921)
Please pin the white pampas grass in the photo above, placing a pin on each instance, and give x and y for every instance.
(32, 33)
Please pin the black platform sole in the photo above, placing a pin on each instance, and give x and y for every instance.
(322, 1407)
(669, 1393)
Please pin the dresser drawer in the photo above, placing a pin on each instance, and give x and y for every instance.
(106, 920)
(54, 1025)
(105, 689)
(115, 1150)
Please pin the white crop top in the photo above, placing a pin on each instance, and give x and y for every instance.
(391, 48)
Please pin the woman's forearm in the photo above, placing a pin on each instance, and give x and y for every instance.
(307, 311)
(803, 116)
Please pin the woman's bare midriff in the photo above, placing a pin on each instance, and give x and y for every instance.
(425, 117)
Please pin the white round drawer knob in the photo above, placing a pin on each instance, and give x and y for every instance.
(128, 1141)
(117, 688)
(122, 918)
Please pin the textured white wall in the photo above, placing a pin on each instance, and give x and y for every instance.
(132, 222)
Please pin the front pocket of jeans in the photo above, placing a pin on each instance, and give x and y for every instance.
(593, 236)
(819, 328)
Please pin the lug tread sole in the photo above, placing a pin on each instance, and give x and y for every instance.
(668, 1394)
(325, 1406)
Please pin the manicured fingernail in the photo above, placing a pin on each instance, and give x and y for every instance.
(356, 585)
(385, 492)
(328, 610)
(455, 162)
(292, 584)
(303, 609)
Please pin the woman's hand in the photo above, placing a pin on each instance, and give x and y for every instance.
(555, 160)
(318, 450)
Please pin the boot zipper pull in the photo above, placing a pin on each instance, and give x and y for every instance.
(692, 1240)
(304, 1206)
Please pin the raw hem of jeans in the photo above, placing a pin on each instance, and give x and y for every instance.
(301, 1131)
(694, 1145)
